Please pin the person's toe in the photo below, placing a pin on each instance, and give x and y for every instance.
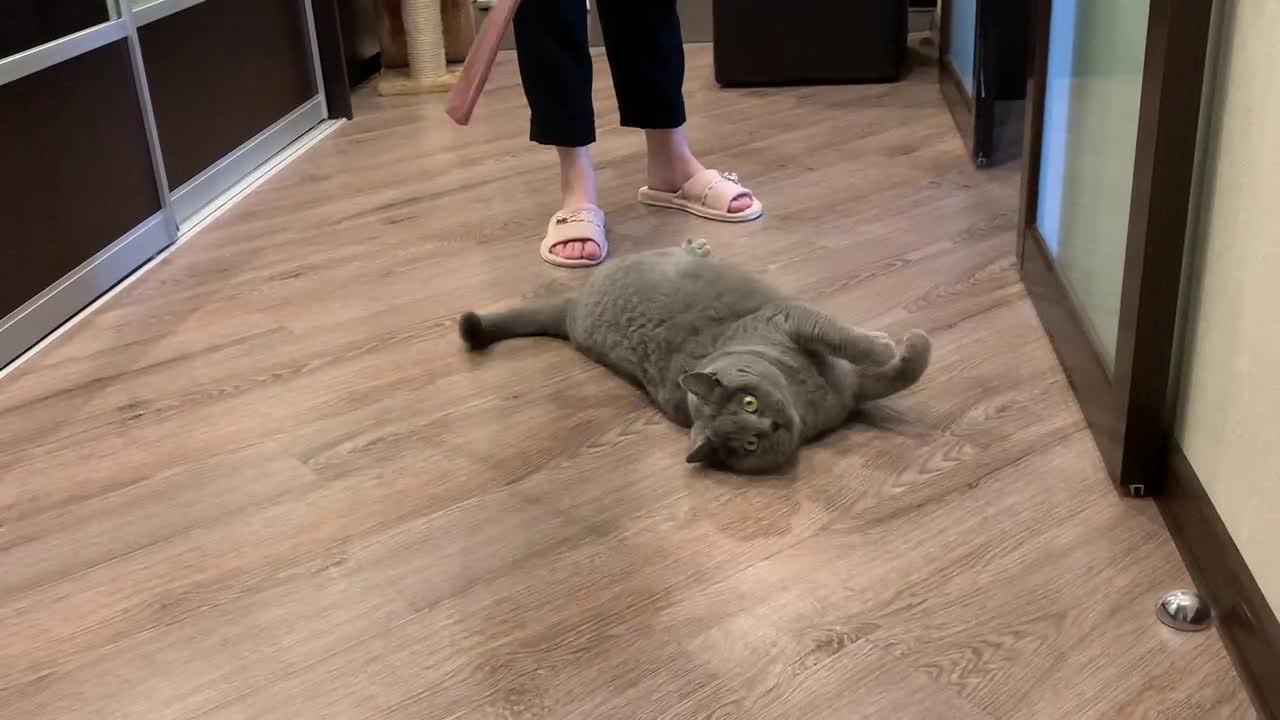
(571, 250)
(577, 250)
(741, 203)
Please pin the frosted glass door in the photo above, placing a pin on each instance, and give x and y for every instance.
(1092, 90)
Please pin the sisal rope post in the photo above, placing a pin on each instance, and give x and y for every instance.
(424, 36)
(424, 31)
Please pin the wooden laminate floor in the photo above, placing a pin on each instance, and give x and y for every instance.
(264, 481)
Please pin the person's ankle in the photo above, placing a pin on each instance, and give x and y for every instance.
(577, 178)
(670, 163)
(669, 174)
(577, 200)
(671, 177)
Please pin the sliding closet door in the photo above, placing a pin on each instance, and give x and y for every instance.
(53, 221)
(1111, 142)
(81, 201)
(232, 83)
(122, 120)
(1093, 89)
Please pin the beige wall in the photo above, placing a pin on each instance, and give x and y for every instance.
(1229, 414)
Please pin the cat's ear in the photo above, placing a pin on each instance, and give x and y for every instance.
(702, 385)
(700, 448)
(699, 454)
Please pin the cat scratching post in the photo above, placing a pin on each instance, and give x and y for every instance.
(424, 37)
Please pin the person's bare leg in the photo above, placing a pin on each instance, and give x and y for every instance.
(672, 164)
(577, 188)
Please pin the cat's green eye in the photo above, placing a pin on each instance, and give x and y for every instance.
(750, 444)
(750, 403)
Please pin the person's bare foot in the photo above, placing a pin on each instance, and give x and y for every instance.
(672, 164)
(577, 189)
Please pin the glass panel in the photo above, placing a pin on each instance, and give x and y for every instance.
(1092, 90)
(25, 24)
(961, 36)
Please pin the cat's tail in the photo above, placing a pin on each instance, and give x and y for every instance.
(549, 319)
(903, 372)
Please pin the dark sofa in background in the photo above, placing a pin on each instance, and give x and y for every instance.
(765, 42)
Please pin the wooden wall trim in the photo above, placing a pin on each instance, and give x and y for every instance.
(1245, 620)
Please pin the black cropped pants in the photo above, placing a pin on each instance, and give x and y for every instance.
(646, 58)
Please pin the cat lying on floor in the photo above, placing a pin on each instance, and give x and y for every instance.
(754, 374)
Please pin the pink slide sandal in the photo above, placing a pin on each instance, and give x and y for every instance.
(706, 195)
(569, 225)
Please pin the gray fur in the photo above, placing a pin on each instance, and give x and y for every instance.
(700, 337)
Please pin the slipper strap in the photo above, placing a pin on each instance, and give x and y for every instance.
(713, 189)
(575, 224)
(589, 215)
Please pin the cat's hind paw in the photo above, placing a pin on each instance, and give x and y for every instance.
(697, 248)
(881, 349)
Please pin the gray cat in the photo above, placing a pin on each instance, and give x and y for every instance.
(754, 374)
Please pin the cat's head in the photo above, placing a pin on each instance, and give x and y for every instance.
(742, 417)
